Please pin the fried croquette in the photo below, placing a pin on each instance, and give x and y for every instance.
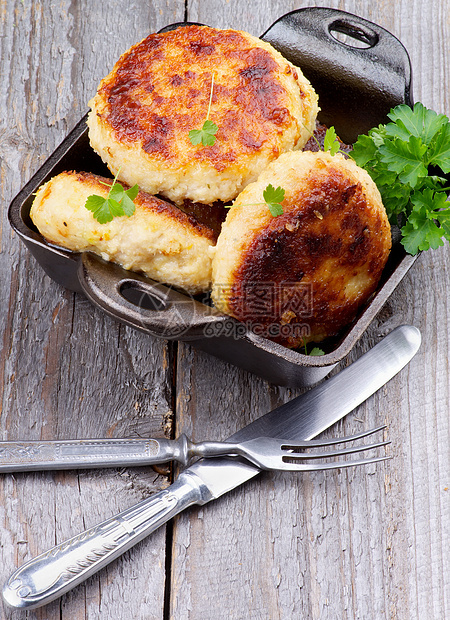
(303, 275)
(158, 240)
(162, 88)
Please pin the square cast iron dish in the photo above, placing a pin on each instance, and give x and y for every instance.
(360, 71)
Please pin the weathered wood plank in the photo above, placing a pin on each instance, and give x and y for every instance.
(362, 544)
(349, 544)
(66, 370)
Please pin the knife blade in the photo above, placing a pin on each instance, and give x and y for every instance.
(51, 574)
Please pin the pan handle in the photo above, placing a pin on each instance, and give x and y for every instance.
(358, 69)
(144, 304)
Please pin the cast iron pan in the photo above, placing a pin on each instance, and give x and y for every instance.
(360, 71)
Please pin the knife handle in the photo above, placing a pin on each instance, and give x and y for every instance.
(51, 574)
(18, 456)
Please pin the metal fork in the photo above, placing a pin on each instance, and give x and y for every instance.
(279, 454)
(264, 452)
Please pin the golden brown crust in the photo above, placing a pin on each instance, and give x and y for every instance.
(98, 185)
(303, 275)
(159, 90)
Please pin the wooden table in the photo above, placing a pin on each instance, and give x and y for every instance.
(366, 543)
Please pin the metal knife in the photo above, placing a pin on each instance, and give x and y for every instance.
(51, 574)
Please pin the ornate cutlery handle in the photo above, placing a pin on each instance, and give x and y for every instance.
(85, 453)
(51, 574)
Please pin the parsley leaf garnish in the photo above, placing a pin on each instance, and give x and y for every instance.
(207, 134)
(408, 158)
(317, 351)
(118, 202)
(419, 122)
(331, 142)
(421, 231)
(273, 197)
(440, 149)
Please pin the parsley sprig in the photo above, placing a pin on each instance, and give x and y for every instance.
(118, 202)
(273, 197)
(331, 142)
(408, 158)
(207, 134)
(316, 352)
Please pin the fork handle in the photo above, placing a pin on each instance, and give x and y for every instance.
(51, 574)
(18, 456)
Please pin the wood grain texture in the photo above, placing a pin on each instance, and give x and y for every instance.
(369, 543)
(366, 544)
(66, 370)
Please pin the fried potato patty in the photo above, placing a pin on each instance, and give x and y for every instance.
(158, 240)
(303, 275)
(160, 89)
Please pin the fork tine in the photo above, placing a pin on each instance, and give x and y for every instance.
(333, 465)
(332, 441)
(293, 456)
